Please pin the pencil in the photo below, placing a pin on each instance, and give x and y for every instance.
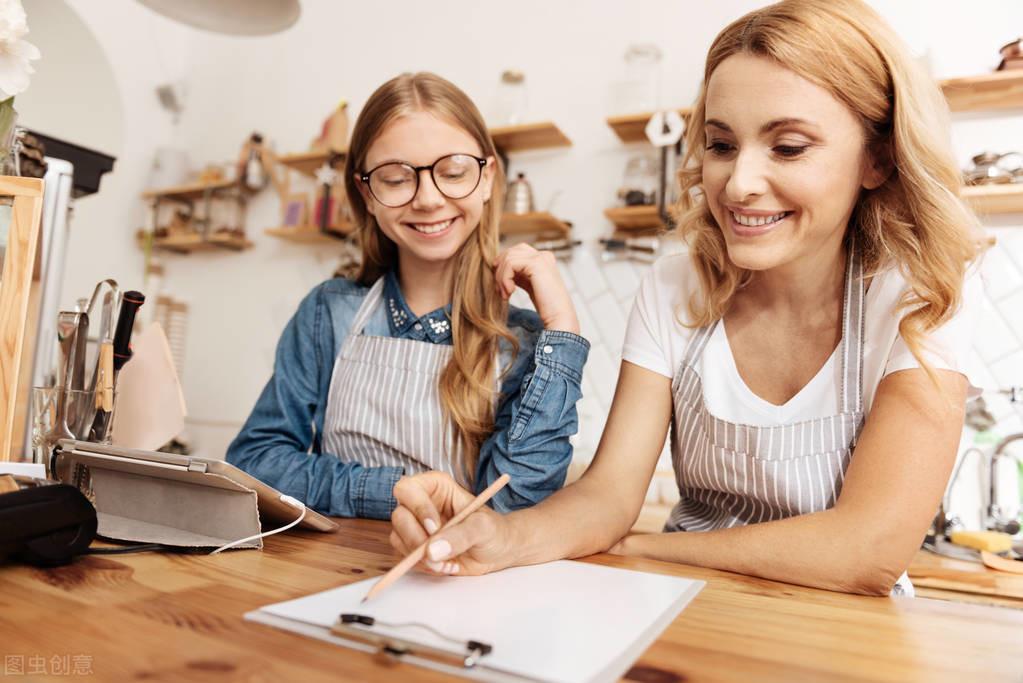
(413, 558)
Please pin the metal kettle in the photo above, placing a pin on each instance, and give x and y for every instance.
(519, 198)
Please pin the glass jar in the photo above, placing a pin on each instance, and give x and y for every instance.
(639, 185)
(642, 83)
(510, 103)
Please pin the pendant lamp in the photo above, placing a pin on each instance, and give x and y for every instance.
(233, 17)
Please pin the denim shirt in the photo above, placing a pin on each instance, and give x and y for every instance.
(281, 442)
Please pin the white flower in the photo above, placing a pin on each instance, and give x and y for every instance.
(15, 53)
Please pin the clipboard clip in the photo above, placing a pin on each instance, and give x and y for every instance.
(359, 626)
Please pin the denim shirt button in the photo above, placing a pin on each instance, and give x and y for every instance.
(419, 327)
(548, 349)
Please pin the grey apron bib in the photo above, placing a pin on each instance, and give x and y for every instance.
(383, 407)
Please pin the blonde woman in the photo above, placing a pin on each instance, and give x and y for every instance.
(806, 354)
(420, 364)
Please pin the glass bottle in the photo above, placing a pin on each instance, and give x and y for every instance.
(639, 185)
(254, 176)
(510, 104)
(642, 82)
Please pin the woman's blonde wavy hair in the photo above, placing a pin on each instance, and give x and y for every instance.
(478, 312)
(914, 220)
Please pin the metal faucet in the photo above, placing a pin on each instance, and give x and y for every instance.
(995, 518)
(944, 521)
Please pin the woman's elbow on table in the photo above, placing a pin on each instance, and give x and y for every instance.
(874, 561)
(871, 578)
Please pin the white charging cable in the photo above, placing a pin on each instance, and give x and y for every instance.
(293, 502)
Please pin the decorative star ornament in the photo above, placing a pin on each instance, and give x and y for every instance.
(325, 175)
(665, 128)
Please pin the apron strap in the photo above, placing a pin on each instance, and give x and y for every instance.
(697, 343)
(852, 333)
(369, 304)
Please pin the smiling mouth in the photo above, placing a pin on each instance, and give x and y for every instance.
(758, 221)
(431, 228)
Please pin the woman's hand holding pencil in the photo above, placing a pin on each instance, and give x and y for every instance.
(426, 503)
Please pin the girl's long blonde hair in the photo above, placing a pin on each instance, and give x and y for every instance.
(914, 220)
(478, 313)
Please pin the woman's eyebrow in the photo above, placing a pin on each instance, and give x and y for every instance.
(785, 122)
(388, 161)
(766, 128)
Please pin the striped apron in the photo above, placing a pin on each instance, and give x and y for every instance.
(732, 474)
(383, 407)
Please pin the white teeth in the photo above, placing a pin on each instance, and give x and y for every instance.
(431, 228)
(754, 221)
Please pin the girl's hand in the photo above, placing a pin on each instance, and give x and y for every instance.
(478, 545)
(537, 273)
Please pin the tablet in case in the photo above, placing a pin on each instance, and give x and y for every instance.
(185, 501)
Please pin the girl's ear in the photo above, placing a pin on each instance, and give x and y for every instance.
(367, 198)
(488, 178)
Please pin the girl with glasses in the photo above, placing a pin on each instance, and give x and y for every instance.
(806, 355)
(419, 363)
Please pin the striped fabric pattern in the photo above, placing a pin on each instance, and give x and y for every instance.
(383, 408)
(730, 474)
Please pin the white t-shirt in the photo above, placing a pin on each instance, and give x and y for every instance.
(656, 340)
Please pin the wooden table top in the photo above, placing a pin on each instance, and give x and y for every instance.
(178, 617)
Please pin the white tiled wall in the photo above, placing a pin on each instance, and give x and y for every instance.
(998, 341)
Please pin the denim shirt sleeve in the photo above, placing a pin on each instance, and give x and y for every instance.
(280, 442)
(536, 416)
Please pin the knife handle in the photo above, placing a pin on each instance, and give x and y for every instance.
(130, 303)
(105, 392)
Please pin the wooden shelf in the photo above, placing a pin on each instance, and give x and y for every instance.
(532, 223)
(305, 162)
(632, 127)
(998, 90)
(528, 136)
(186, 244)
(190, 191)
(310, 234)
(995, 199)
(541, 135)
(633, 218)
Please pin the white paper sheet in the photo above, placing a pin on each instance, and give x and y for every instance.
(565, 622)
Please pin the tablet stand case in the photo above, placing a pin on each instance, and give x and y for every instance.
(157, 502)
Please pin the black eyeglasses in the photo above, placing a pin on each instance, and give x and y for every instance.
(395, 183)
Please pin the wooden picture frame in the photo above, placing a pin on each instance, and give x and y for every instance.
(25, 196)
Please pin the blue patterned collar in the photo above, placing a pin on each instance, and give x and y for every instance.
(434, 326)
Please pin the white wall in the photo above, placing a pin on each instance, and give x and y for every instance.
(284, 85)
(144, 50)
(74, 90)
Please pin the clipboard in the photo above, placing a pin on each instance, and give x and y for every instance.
(560, 622)
(360, 627)
(187, 501)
